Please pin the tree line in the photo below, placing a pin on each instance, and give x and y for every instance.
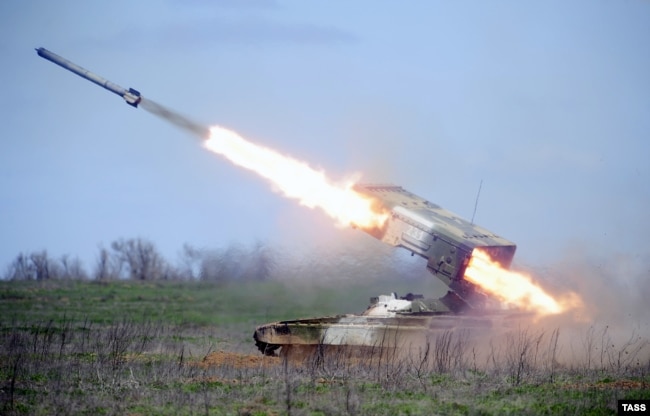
(139, 259)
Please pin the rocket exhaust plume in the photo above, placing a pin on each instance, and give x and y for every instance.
(293, 178)
(515, 288)
(297, 180)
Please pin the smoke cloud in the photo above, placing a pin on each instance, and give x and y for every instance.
(611, 331)
(175, 118)
(614, 323)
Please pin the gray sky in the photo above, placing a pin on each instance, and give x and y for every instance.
(547, 102)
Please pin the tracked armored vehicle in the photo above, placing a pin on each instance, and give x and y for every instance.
(447, 242)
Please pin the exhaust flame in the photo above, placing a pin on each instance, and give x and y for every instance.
(515, 288)
(296, 180)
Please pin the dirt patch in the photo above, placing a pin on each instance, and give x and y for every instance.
(235, 360)
(612, 385)
(214, 380)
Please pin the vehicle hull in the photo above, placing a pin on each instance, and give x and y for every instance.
(406, 332)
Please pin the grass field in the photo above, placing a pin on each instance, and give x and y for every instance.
(175, 348)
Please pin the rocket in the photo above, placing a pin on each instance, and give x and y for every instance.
(131, 96)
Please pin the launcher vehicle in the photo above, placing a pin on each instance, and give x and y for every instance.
(447, 242)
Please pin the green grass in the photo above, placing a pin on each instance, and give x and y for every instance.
(194, 303)
(137, 348)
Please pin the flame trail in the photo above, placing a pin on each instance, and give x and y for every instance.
(515, 288)
(296, 180)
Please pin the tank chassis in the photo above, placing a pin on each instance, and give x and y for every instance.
(446, 241)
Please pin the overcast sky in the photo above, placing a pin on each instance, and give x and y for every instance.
(546, 102)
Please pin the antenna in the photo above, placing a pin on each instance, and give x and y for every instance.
(476, 202)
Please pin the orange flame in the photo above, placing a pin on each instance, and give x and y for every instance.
(295, 179)
(515, 288)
